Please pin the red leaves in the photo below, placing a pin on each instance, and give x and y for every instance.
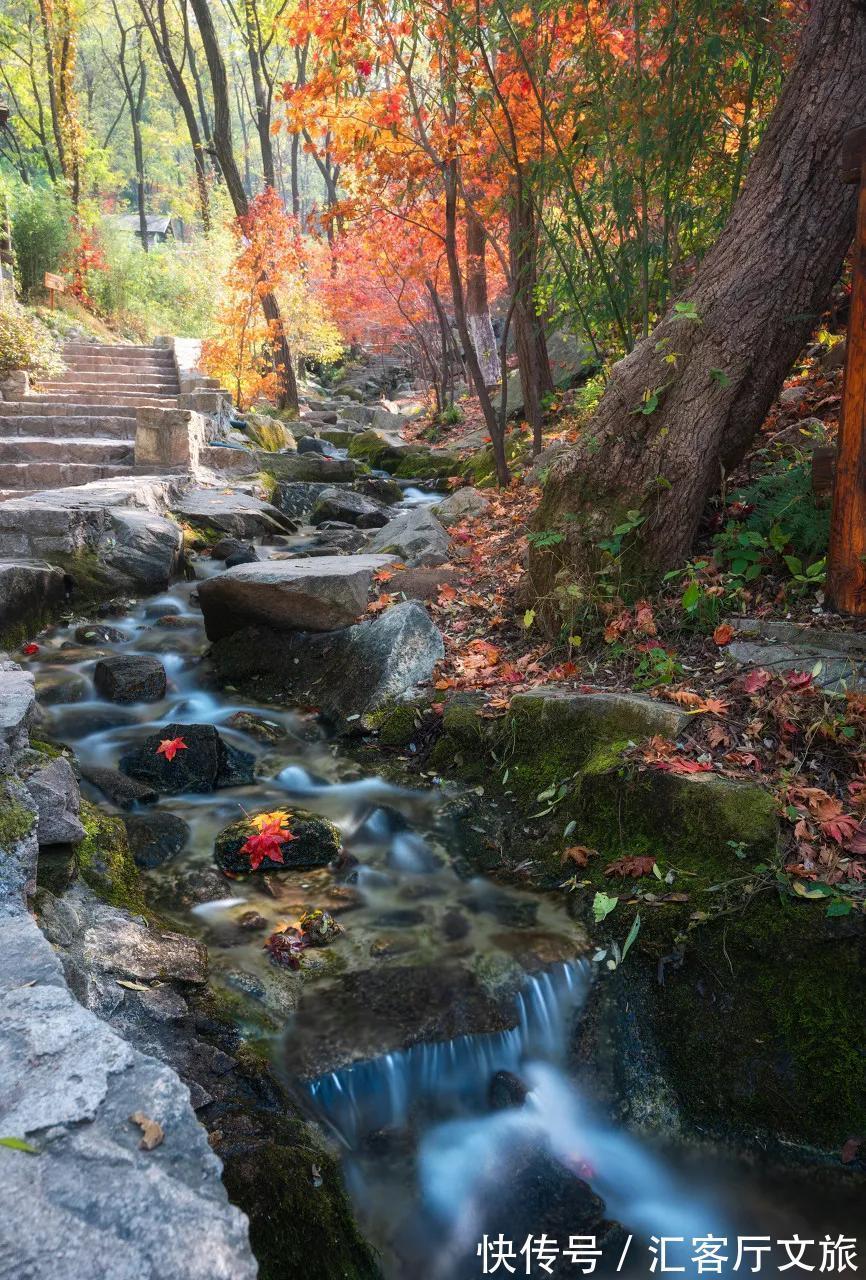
(169, 747)
(798, 679)
(30, 649)
(631, 866)
(682, 765)
(756, 680)
(267, 842)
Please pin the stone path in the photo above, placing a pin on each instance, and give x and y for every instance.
(81, 426)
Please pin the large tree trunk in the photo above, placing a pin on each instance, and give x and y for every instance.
(684, 405)
(222, 139)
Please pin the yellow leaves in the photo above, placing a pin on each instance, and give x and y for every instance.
(281, 817)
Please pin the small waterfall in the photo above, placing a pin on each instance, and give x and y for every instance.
(452, 1076)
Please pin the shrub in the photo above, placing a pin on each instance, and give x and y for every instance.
(26, 344)
(43, 234)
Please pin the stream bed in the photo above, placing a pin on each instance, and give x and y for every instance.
(445, 1142)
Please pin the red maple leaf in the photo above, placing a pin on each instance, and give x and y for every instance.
(266, 844)
(756, 680)
(631, 866)
(30, 649)
(169, 747)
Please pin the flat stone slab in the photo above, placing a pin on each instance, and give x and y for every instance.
(835, 658)
(152, 492)
(235, 513)
(598, 717)
(324, 593)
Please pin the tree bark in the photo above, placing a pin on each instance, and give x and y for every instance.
(477, 305)
(222, 138)
(683, 407)
(532, 359)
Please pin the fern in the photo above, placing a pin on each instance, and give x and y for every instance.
(783, 498)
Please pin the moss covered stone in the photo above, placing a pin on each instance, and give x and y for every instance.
(313, 842)
(16, 820)
(105, 862)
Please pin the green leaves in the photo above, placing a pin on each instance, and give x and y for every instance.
(18, 1144)
(545, 538)
(720, 377)
(687, 311)
(602, 906)
(632, 935)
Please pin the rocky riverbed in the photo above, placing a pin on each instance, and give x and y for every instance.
(262, 865)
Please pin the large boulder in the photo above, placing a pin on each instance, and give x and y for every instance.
(205, 762)
(460, 504)
(309, 468)
(416, 536)
(320, 594)
(346, 673)
(233, 513)
(351, 508)
(132, 677)
(298, 497)
(315, 842)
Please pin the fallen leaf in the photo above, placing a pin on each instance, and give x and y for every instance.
(851, 1149)
(631, 866)
(579, 854)
(18, 1144)
(169, 747)
(756, 680)
(132, 986)
(723, 634)
(152, 1132)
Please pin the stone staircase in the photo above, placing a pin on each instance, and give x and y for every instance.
(81, 426)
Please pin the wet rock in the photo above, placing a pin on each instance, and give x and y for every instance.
(226, 547)
(460, 504)
(54, 788)
(182, 886)
(346, 673)
(319, 928)
(54, 688)
(338, 538)
(130, 950)
(136, 551)
(130, 678)
(233, 513)
(454, 926)
(380, 488)
(267, 731)
(376, 1010)
(322, 594)
(123, 791)
(316, 843)
(70, 654)
(99, 633)
(506, 1090)
(252, 921)
(29, 590)
(309, 468)
(397, 944)
(312, 444)
(350, 507)
(297, 498)
(207, 763)
(78, 722)
(244, 555)
(415, 536)
(155, 837)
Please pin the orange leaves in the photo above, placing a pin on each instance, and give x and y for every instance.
(384, 601)
(578, 854)
(169, 747)
(631, 866)
(723, 634)
(698, 705)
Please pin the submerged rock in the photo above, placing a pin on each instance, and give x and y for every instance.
(315, 842)
(29, 590)
(99, 633)
(155, 837)
(130, 677)
(321, 594)
(120, 789)
(206, 762)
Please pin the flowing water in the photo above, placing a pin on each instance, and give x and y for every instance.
(432, 1163)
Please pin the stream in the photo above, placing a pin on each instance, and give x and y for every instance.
(434, 1157)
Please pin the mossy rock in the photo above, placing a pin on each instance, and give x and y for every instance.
(105, 862)
(397, 723)
(316, 843)
(463, 746)
(269, 434)
(16, 819)
(762, 1025)
(292, 1192)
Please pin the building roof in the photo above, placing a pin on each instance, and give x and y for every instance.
(157, 223)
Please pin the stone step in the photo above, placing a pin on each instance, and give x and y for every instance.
(66, 449)
(58, 425)
(149, 377)
(108, 386)
(34, 406)
(47, 475)
(99, 350)
(122, 369)
(132, 399)
(5, 494)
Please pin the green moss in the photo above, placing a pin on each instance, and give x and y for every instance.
(105, 862)
(396, 724)
(90, 581)
(49, 749)
(763, 1025)
(16, 820)
(463, 748)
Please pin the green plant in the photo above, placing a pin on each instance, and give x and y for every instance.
(43, 233)
(657, 666)
(26, 344)
(613, 545)
(450, 416)
(544, 539)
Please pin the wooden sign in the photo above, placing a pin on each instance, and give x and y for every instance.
(846, 562)
(54, 284)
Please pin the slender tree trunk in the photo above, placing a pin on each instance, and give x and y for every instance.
(477, 306)
(260, 97)
(491, 419)
(222, 137)
(666, 431)
(532, 359)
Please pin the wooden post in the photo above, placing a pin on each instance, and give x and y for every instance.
(846, 566)
(54, 284)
